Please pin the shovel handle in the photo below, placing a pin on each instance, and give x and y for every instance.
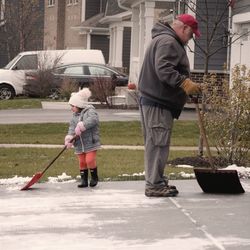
(63, 149)
(203, 133)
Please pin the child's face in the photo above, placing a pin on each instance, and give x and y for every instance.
(74, 109)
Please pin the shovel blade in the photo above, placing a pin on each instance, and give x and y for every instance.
(34, 179)
(218, 181)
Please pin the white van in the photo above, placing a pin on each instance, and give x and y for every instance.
(12, 76)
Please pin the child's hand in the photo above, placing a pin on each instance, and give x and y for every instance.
(67, 141)
(79, 128)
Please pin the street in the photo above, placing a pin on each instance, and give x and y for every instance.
(21, 116)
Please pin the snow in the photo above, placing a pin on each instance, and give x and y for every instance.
(16, 182)
(60, 178)
(115, 216)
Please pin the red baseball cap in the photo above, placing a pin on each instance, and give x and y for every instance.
(191, 22)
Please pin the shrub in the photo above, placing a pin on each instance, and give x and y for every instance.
(39, 84)
(101, 89)
(227, 120)
(68, 86)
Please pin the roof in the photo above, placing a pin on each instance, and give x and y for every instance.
(112, 8)
(94, 21)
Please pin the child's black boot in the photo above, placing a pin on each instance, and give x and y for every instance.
(84, 178)
(94, 177)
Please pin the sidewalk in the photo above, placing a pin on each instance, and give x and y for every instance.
(117, 215)
(175, 148)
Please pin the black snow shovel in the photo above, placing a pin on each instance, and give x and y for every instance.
(213, 180)
(38, 175)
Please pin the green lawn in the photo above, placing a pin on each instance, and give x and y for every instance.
(21, 103)
(111, 163)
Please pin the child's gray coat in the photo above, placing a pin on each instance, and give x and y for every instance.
(89, 140)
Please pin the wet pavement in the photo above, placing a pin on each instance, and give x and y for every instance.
(117, 215)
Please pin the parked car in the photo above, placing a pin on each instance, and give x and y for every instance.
(12, 76)
(85, 73)
(82, 74)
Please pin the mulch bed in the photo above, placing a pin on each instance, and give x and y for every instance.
(198, 161)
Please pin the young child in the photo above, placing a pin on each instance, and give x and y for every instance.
(84, 124)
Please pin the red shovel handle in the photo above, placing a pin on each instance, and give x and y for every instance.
(38, 175)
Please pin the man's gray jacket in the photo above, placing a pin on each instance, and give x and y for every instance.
(164, 68)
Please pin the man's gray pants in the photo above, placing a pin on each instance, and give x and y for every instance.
(157, 126)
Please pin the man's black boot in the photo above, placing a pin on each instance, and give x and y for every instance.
(94, 177)
(84, 178)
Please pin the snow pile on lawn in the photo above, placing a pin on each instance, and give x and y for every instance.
(243, 173)
(61, 178)
(14, 180)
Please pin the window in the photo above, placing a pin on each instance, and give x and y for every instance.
(70, 2)
(2, 10)
(51, 2)
(27, 62)
(98, 71)
(245, 34)
(245, 31)
(74, 70)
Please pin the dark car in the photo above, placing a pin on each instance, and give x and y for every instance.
(47, 82)
(85, 73)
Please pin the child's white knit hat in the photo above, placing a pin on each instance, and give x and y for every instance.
(80, 98)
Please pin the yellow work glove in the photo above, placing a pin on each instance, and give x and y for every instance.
(190, 87)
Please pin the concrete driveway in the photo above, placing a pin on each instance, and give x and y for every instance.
(117, 215)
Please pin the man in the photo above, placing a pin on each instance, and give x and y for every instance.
(164, 86)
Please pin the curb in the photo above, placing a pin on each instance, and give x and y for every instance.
(131, 147)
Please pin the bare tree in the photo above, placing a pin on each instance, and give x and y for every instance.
(215, 20)
(21, 25)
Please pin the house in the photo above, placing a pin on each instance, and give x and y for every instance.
(89, 24)
(240, 28)
(146, 12)
(119, 23)
(75, 24)
(122, 30)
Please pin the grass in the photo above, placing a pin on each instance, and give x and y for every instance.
(111, 163)
(21, 103)
(185, 133)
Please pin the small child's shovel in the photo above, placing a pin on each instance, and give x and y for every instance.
(38, 175)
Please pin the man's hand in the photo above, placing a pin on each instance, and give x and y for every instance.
(190, 87)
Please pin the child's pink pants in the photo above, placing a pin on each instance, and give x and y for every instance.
(87, 160)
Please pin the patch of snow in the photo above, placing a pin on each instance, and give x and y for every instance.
(14, 180)
(187, 176)
(183, 166)
(61, 178)
(243, 172)
(134, 174)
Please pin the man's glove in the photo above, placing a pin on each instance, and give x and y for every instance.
(190, 87)
(79, 128)
(67, 141)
